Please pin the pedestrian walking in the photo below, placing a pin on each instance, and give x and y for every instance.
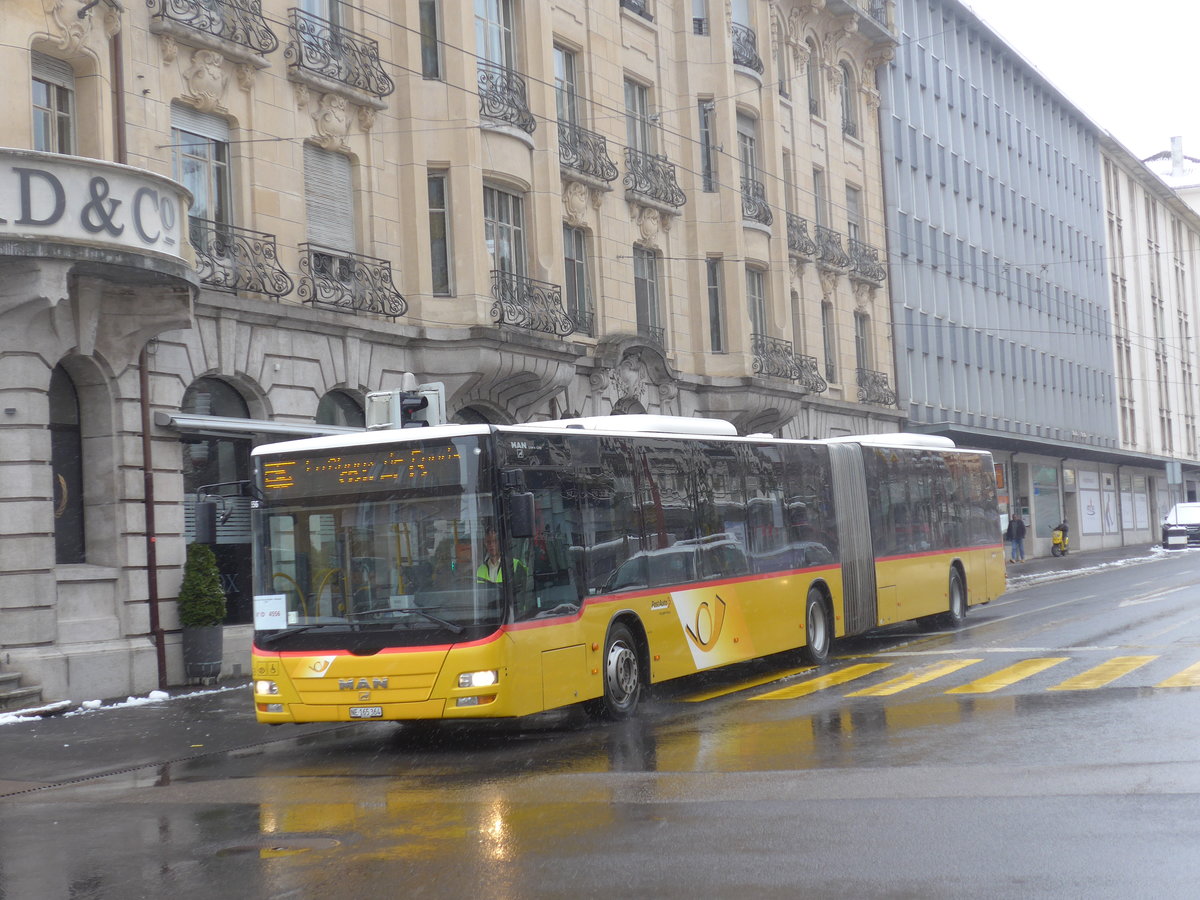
(1015, 535)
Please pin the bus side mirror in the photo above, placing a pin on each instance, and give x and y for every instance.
(520, 515)
(206, 522)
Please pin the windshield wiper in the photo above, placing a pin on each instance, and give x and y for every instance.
(449, 626)
(287, 632)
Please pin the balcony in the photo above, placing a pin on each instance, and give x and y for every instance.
(640, 7)
(772, 356)
(348, 282)
(745, 48)
(808, 374)
(321, 48)
(873, 388)
(502, 96)
(237, 259)
(754, 202)
(800, 244)
(655, 333)
(653, 177)
(528, 303)
(238, 22)
(829, 249)
(864, 262)
(585, 152)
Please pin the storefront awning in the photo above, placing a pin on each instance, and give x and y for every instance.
(225, 426)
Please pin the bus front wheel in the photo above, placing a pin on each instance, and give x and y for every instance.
(622, 676)
(818, 630)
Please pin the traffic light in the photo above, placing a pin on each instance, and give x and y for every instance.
(410, 406)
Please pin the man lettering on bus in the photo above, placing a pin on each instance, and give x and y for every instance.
(491, 569)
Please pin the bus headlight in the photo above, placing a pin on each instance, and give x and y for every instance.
(486, 678)
(266, 687)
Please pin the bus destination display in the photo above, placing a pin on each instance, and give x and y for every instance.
(417, 466)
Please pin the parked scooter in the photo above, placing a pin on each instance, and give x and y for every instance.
(1060, 541)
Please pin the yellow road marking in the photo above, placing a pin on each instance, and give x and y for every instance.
(912, 679)
(1189, 677)
(1008, 676)
(745, 685)
(1103, 674)
(804, 688)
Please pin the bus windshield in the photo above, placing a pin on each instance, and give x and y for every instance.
(392, 540)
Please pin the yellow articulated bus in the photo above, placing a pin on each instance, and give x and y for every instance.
(471, 571)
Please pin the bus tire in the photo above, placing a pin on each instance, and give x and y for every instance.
(622, 673)
(818, 629)
(956, 615)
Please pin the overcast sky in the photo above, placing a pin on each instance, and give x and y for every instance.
(1132, 68)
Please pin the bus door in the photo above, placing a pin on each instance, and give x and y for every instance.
(854, 537)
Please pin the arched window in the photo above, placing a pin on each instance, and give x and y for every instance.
(849, 105)
(814, 78)
(66, 462)
(339, 408)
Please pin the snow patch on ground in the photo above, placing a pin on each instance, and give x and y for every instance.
(91, 706)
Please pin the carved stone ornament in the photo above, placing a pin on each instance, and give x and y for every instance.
(245, 75)
(650, 223)
(630, 379)
(829, 281)
(575, 203)
(302, 95)
(332, 122)
(797, 267)
(870, 96)
(168, 47)
(73, 31)
(206, 80)
(864, 296)
(366, 118)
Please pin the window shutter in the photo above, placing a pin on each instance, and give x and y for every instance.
(205, 125)
(55, 71)
(329, 198)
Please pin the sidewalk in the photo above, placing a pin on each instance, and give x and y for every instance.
(1051, 568)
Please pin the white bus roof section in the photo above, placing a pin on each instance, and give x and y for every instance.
(371, 438)
(638, 423)
(896, 439)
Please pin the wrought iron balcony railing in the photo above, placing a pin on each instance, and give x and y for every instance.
(799, 242)
(814, 105)
(237, 21)
(829, 249)
(348, 282)
(772, 356)
(329, 50)
(656, 333)
(502, 96)
(850, 128)
(585, 151)
(877, 10)
(585, 322)
(528, 303)
(809, 374)
(864, 262)
(754, 202)
(652, 176)
(745, 48)
(873, 388)
(641, 7)
(237, 259)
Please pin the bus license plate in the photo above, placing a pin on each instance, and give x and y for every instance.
(366, 712)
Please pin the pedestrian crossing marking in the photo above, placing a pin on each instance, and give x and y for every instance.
(1189, 677)
(920, 676)
(804, 688)
(745, 685)
(1008, 676)
(1103, 674)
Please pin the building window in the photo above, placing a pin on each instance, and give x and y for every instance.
(863, 358)
(504, 230)
(439, 232)
(789, 187)
(820, 198)
(645, 292)
(431, 45)
(747, 132)
(637, 117)
(700, 17)
(66, 463)
(53, 105)
(578, 293)
(329, 10)
(716, 305)
(339, 408)
(756, 300)
(781, 67)
(566, 86)
(849, 103)
(494, 32)
(853, 213)
(201, 162)
(814, 78)
(829, 342)
(328, 199)
(708, 145)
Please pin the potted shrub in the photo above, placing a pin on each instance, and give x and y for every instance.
(201, 613)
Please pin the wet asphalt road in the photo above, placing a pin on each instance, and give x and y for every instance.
(1047, 749)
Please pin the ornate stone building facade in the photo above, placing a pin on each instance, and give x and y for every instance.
(552, 208)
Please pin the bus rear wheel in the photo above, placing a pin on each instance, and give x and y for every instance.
(622, 676)
(818, 630)
(956, 615)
